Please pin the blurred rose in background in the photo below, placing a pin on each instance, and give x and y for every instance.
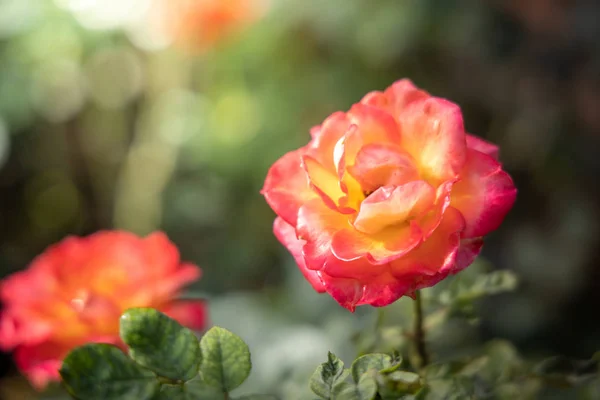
(75, 292)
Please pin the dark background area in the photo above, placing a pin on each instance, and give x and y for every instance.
(100, 130)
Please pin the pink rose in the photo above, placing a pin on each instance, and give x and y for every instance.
(387, 198)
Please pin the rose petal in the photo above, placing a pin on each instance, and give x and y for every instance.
(347, 292)
(286, 187)
(377, 99)
(315, 131)
(359, 269)
(325, 183)
(161, 252)
(402, 93)
(192, 314)
(433, 133)
(390, 205)
(316, 226)
(437, 253)
(395, 98)
(369, 125)
(353, 193)
(483, 146)
(430, 221)
(41, 363)
(287, 236)
(325, 138)
(468, 251)
(17, 328)
(373, 125)
(388, 244)
(484, 195)
(379, 164)
(162, 288)
(384, 290)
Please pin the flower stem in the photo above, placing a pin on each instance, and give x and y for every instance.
(380, 319)
(419, 333)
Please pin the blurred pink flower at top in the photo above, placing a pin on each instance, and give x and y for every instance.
(200, 24)
(75, 292)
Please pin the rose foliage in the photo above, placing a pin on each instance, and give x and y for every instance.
(387, 198)
(165, 362)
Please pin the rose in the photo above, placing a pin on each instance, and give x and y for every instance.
(200, 24)
(387, 198)
(75, 292)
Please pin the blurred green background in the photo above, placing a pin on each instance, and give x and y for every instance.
(104, 124)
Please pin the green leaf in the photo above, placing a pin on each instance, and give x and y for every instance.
(365, 389)
(525, 389)
(564, 372)
(460, 388)
(375, 361)
(398, 383)
(198, 389)
(327, 376)
(462, 292)
(256, 397)
(190, 390)
(171, 392)
(102, 371)
(500, 363)
(160, 343)
(226, 359)
(504, 364)
(441, 370)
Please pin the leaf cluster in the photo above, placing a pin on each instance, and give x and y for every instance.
(371, 376)
(165, 361)
(498, 373)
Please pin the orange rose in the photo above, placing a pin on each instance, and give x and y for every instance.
(199, 24)
(75, 292)
(387, 198)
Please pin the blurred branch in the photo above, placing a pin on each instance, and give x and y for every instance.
(152, 158)
(81, 174)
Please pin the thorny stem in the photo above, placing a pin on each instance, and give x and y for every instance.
(419, 333)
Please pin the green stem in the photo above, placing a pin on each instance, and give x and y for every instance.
(380, 319)
(419, 333)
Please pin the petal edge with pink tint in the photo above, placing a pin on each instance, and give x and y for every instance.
(317, 225)
(347, 292)
(402, 93)
(467, 252)
(484, 195)
(326, 136)
(384, 290)
(286, 187)
(396, 97)
(192, 314)
(286, 234)
(483, 146)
